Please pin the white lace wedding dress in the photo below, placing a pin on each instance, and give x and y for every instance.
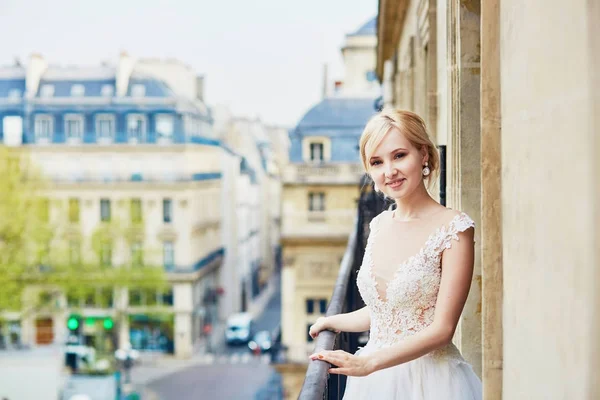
(399, 282)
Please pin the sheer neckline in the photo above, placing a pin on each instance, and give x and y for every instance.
(426, 218)
(442, 229)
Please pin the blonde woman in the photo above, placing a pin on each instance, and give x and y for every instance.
(414, 280)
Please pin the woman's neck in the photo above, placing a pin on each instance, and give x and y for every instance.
(416, 205)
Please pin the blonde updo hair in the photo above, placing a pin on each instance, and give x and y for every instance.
(410, 125)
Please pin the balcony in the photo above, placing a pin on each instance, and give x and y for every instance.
(323, 173)
(318, 224)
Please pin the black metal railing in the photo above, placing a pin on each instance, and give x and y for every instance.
(318, 384)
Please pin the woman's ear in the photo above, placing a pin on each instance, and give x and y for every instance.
(425, 154)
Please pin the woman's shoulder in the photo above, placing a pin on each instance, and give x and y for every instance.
(453, 218)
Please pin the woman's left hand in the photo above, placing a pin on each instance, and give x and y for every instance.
(346, 363)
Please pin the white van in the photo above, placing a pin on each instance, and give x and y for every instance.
(239, 328)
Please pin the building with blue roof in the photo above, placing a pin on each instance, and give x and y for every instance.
(321, 187)
(116, 141)
(100, 105)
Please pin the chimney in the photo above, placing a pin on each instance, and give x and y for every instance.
(35, 69)
(124, 71)
(338, 86)
(200, 88)
(325, 79)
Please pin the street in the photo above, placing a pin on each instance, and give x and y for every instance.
(230, 372)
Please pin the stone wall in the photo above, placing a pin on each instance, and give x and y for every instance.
(550, 199)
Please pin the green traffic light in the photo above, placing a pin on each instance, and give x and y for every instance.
(108, 323)
(72, 323)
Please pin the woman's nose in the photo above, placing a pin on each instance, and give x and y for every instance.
(390, 171)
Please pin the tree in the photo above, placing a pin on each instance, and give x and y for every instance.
(45, 250)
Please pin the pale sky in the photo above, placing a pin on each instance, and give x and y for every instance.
(262, 58)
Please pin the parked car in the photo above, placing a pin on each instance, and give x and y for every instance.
(239, 329)
(261, 342)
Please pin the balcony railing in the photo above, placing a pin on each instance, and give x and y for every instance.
(318, 384)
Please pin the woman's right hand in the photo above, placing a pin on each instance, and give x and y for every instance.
(318, 326)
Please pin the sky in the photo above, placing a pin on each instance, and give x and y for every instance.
(262, 58)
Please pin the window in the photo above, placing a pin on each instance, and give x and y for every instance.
(323, 306)
(14, 94)
(104, 297)
(137, 254)
(47, 91)
(104, 210)
(43, 127)
(146, 297)
(166, 297)
(167, 211)
(168, 255)
(77, 90)
(316, 152)
(138, 90)
(316, 201)
(73, 299)
(106, 254)
(107, 90)
(105, 126)
(135, 297)
(136, 210)
(74, 127)
(73, 210)
(136, 127)
(164, 126)
(90, 298)
(310, 306)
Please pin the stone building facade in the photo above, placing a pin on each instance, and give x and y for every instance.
(514, 98)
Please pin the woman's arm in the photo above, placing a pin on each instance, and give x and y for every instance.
(356, 321)
(457, 273)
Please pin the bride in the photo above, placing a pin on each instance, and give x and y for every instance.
(414, 280)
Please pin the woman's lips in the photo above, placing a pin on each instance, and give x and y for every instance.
(396, 183)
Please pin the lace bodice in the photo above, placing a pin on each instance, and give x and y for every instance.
(404, 302)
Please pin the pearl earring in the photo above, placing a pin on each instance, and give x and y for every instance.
(426, 170)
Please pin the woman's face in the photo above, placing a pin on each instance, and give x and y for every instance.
(396, 166)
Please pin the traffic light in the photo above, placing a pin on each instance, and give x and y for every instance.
(73, 323)
(108, 323)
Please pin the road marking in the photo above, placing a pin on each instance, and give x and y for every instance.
(246, 358)
(235, 358)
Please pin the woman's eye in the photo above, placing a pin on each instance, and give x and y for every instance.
(399, 155)
(375, 162)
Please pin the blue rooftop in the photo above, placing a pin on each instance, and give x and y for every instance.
(341, 119)
(368, 29)
(336, 115)
(7, 86)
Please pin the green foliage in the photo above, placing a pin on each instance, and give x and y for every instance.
(41, 245)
